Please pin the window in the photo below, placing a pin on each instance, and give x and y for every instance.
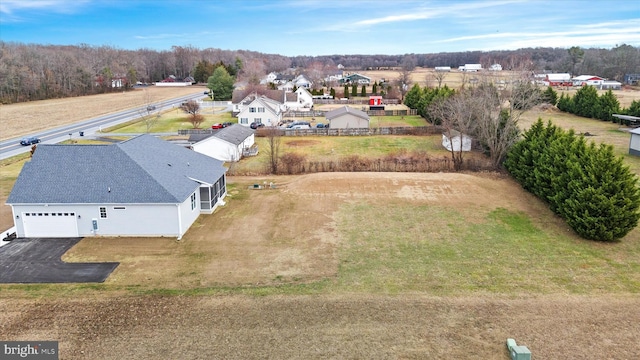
(258, 120)
(119, 208)
(193, 201)
(244, 120)
(103, 212)
(260, 109)
(252, 109)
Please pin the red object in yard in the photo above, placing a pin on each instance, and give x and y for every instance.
(217, 126)
(375, 100)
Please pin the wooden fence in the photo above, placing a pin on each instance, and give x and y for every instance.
(317, 113)
(404, 130)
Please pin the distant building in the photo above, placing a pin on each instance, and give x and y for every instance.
(495, 67)
(443, 68)
(470, 67)
(632, 79)
(583, 80)
(562, 79)
(355, 79)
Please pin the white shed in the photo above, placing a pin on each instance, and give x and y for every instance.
(456, 142)
(634, 144)
(226, 144)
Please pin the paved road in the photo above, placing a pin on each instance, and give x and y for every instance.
(12, 147)
(38, 260)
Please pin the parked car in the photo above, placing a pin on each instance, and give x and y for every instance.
(298, 127)
(225, 124)
(217, 126)
(255, 125)
(151, 107)
(29, 141)
(321, 125)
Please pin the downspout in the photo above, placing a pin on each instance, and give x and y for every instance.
(179, 223)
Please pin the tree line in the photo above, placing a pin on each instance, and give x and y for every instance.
(587, 185)
(587, 103)
(35, 72)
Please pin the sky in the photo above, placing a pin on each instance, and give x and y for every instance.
(324, 27)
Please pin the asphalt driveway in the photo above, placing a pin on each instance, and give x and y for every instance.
(38, 260)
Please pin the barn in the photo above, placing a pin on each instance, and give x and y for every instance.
(347, 118)
(140, 187)
(563, 79)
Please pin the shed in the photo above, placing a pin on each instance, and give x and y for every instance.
(347, 118)
(634, 144)
(455, 141)
(227, 144)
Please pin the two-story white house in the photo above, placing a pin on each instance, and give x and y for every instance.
(261, 110)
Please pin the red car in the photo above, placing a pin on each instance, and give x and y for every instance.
(217, 126)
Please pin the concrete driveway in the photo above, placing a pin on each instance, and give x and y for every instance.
(38, 260)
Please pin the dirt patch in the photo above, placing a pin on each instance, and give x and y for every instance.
(302, 143)
(327, 326)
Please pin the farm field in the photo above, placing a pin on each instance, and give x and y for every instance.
(350, 265)
(24, 118)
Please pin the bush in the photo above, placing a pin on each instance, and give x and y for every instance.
(586, 185)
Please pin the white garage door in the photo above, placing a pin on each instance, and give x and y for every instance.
(50, 224)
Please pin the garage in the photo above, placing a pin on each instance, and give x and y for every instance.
(49, 224)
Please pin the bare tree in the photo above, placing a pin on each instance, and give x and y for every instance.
(192, 108)
(273, 148)
(149, 112)
(439, 76)
(458, 116)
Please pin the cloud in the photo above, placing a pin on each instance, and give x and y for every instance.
(12, 10)
(598, 34)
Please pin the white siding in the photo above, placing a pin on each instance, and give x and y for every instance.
(348, 121)
(123, 220)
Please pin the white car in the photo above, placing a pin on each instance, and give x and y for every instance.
(299, 127)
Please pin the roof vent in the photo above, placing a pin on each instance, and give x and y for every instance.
(169, 164)
(109, 189)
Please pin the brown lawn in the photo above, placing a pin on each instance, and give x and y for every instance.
(288, 236)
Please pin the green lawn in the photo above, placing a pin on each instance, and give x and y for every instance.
(393, 248)
(316, 148)
(171, 121)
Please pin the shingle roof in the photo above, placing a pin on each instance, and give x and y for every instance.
(143, 169)
(346, 110)
(234, 134)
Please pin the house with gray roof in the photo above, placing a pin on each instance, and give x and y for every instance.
(227, 144)
(140, 187)
(347, 118)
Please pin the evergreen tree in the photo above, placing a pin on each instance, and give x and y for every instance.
(221, 84)
(550, 96)
(375, 88)
(346, 91)
(332, 92)
(608, 105)
(412, 98)
(363, 91)
(354, 90)
(585, 102)
(634, 108)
